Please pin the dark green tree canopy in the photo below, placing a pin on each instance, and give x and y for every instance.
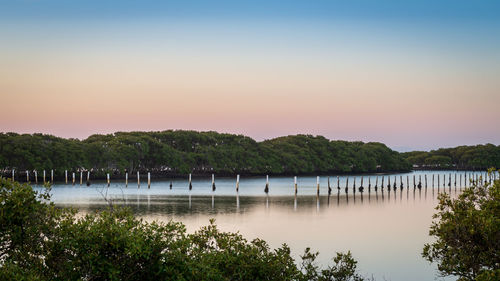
(181, 152)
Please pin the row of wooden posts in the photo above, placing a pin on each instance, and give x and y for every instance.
(474, 178)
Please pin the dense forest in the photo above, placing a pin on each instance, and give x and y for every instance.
(181, 152)
(480, 157)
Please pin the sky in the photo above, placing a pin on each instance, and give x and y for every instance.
(411, 74)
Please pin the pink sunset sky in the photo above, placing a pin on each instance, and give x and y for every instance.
(414, 85)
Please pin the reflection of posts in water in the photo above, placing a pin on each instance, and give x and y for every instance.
(267, 201)
(295, 203)
(361, 197)
(425, 194)
(317, 203)
(190, 200)
(438, 183)
(425, 180)
(149, 200)
(237, 202)
(433, 181)
(338, 197)
(449, 183)
(213, 200)
(328, 199)
(213, 183)
(138, 180)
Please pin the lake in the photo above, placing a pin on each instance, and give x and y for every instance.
(385, 231)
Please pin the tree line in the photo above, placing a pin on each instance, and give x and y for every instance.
(477, 157)
(182, 152)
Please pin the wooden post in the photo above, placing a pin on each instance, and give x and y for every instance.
(126, 179)
(414, 184)
(190, 183)
(36, 177)
(81, 177)
(354, 186)
(27, 176)
(455, 179)
(52, 176)
(44, 181)
(401, 186)
(433, 181)
(438, 181)
(425, 180)
(376, 183)
(317, 185)
(369, 185)
(107, 179)
(73, 178)
(338, 182)
(213, 182)
(394, 186)
(295, 184)
(460, 180)
(361, 187)
(329, 187)
(88, 177)
(138, 180)
(66, 176)
(266, 189)
(13, 172)
(407, 181)
(382, 183)
(237, 183)
(346, 184)
(389, 183)
(149, 180)
(419, 181)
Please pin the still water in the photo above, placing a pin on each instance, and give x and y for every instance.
(385, 231)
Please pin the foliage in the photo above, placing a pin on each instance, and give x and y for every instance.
(467, 232)
(181, 152)
(462, 157)
(42, 242)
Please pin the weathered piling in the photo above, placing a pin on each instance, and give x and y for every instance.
(52, 176)
(36, 177)
(338, 182)
(329, 188)
(266, 189)
(354, 186)
(44, 181)
(171, 184)
(213, 182)
(73, 178)
(66, 176)
(361, 187)
(407, 181)
(455, 179)
(389, 183)
(376, 183)
(369, 185)
(81, 177)
(438, 181)
(401, 186)
(295, 184)
(126, 179)
(149, 180)
(27, 176)
(382, 186)
(394, 186)
(13, 175)
(414, 182)
(138, 180)
(425, 180)
(88, 178)
(238, 184)
(108, 179)
(346, 184)
(432, 180)
(419, 182)
(317, 185)
(190, 183)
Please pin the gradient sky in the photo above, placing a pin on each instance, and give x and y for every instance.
(414, 75)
